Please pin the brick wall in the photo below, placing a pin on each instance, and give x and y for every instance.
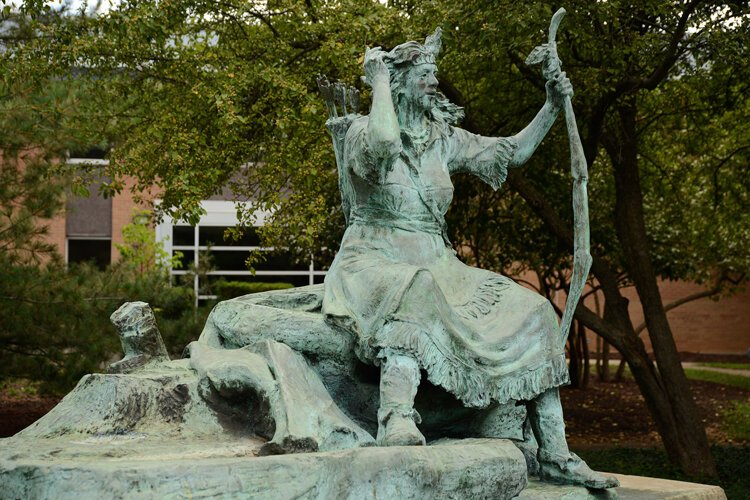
(705, 325)
(56, 232)
(123, 206)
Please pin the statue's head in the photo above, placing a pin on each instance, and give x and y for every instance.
(413, 70)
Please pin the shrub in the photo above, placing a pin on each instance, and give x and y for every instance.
(737, 421)
(226, 290)
(54, 322)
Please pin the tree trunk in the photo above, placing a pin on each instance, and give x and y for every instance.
(671, 406)
(603, 365)
(585, 354)
(620, 370)
(574, 366)
(691, 450)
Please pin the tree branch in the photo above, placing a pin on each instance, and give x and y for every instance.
(303, 52)
(605, 330)
(673, 50)
(264, 20)
(684, 300)
(595, 126)
(599, 111)
(559, 228)
(531, 76)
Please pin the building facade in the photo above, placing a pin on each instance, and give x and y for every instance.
(91, 227)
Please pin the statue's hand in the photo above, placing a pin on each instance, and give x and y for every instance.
(375, 68)
(558, 89)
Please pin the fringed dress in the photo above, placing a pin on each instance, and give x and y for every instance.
(397, 283)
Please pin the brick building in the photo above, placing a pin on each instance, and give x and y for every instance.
(90, 227)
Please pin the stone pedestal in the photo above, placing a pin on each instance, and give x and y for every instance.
(631, 488)
(138, 467)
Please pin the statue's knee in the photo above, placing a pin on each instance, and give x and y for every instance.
(399, 367)
(424, 280)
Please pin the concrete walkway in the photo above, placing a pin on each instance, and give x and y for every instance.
(728, 371)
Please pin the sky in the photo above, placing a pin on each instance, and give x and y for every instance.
(91, 6)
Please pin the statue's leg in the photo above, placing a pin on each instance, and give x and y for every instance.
(289, 399)
(397, 418)
(556, 463)
(305, 414)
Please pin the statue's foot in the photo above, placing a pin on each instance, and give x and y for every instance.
(399, 429)
(573, 470)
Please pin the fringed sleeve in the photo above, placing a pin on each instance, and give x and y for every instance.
(360, 158)
(485, 157)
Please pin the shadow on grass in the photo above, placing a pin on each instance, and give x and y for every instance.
(731, 463)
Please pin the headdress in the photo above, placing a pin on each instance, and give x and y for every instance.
(409, 54)
(413, 53)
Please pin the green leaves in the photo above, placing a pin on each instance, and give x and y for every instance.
(195, 95)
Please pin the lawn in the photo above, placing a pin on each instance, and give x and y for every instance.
(720, 378)
(731, 366)
(731, 463)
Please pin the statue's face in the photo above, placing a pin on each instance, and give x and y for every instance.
(421, 85)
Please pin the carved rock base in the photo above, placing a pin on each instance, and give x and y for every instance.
(137, 466)
(130, 466)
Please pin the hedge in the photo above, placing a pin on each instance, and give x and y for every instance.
(226, 290)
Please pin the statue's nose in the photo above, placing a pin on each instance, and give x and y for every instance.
(432, 81)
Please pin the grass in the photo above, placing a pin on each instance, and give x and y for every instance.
(736, 421)
(718, 378)
(729, 379)
(731, 464)
(731, 366)
(15, 389)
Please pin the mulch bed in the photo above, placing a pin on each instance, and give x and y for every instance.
(615, 413)
(18, 413)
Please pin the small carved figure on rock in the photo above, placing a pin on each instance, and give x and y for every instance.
(139, 335)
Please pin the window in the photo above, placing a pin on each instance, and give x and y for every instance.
(228, 256)
(88, 220)
(98, 251)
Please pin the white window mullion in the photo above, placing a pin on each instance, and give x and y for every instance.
(196, 262)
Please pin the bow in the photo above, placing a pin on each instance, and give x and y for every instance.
(547, 54)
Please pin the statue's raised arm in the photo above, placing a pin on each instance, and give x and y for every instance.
(383, 135)
(528, 139)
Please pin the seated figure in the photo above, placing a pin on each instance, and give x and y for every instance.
(396, 281)
(397, 297)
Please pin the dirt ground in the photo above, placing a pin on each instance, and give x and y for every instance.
(612, 413)
(17, 413)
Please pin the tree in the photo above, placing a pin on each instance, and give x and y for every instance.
(195, 94)
(141, 252)
(54, 320)
(660, 207)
